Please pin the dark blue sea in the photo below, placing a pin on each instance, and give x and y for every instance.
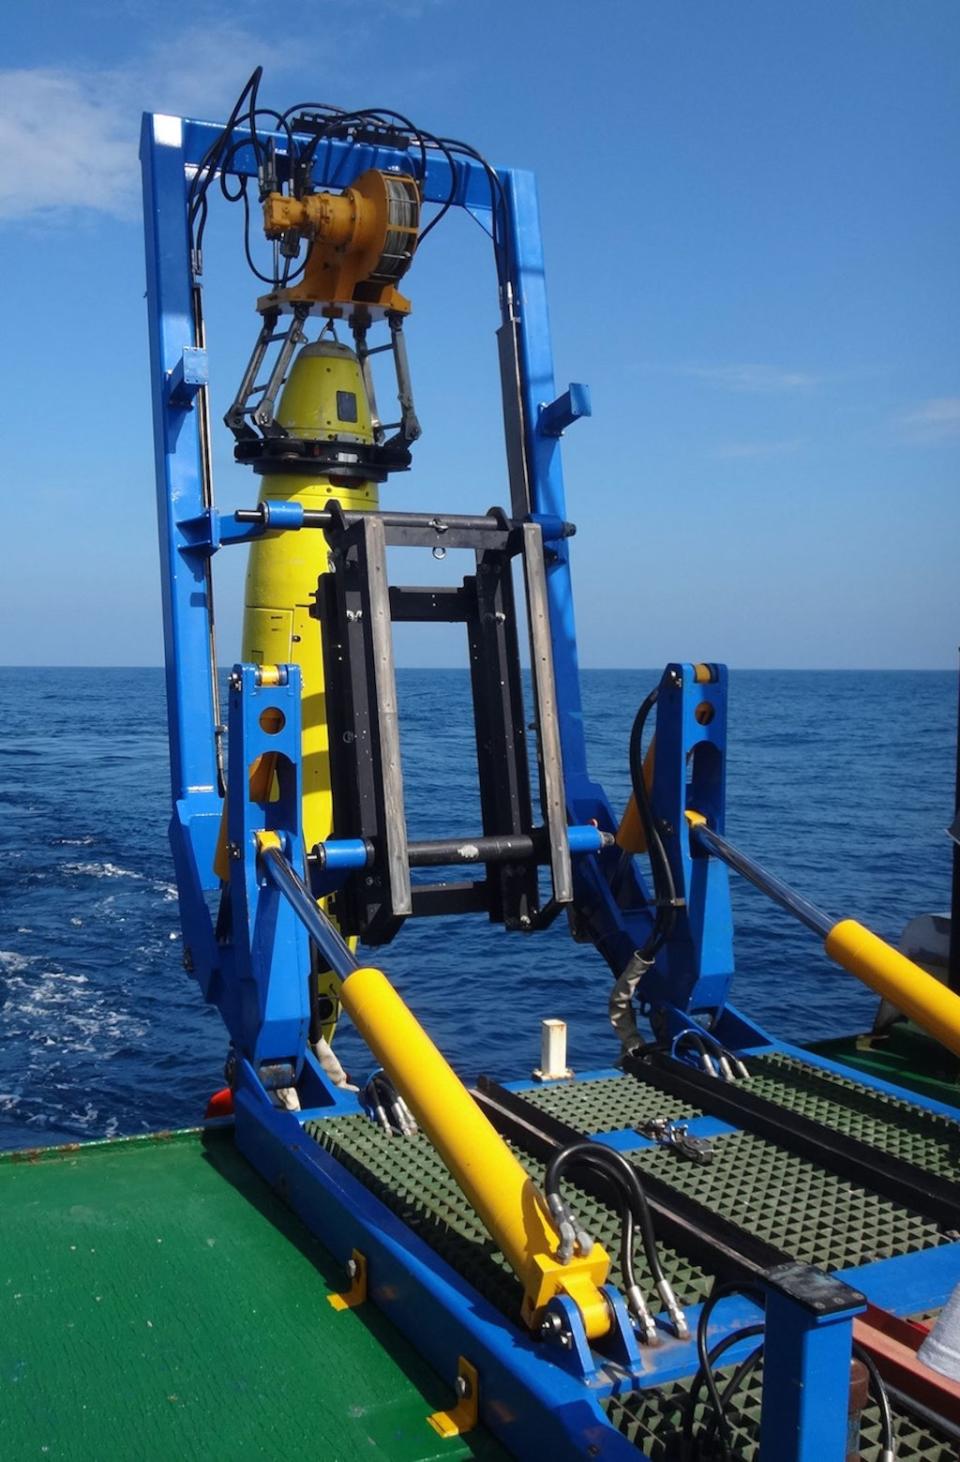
(842, 782)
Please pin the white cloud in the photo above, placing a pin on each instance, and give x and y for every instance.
(933, 421)
(68, 136)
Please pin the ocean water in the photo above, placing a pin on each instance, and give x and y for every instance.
(842, 782)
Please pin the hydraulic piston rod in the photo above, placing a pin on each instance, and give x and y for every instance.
(491, 1178)
(921, 997)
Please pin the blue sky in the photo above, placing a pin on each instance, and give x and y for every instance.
(751, 221)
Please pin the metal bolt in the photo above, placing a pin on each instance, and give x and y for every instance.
(550, 1326)
(462, 1387)
(500, 617)
(525, 921)
(354, 615)
(236, 681)
(566, 1340)
(352, 1269)
(235, 851)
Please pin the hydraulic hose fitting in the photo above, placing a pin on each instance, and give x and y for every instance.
(640, 1310)
(677, 1318)
(584, 1239)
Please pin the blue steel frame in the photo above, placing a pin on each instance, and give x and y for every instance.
(191, 531)
(536, 1408)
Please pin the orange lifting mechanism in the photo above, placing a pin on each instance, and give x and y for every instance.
(361, 242)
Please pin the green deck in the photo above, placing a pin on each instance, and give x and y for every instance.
(905, 1055)
(158, 1301)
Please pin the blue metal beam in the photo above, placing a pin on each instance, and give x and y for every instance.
(337, 163)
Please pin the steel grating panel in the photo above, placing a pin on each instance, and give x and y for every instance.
(815, 1216)
(407, 1175)
(891, 1124)
(653, 1421)
(606, 1104)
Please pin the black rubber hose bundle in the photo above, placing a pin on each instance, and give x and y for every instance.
(634, 1208)
(664, 889)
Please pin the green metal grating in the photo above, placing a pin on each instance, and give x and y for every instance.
(888, 1123)
(653, 1421)
(607, 1104)
(814, 1216)
(407, 1175)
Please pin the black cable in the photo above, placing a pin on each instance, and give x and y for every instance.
(879, 1393)
(733, 1385)
(719, 1292)
(498, 205)
(196, 198)
(454, 184)
(634, 1207)
(927, 1417)
(665, 893)
(747, 1332)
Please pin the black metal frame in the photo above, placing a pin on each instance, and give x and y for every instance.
(357, 606)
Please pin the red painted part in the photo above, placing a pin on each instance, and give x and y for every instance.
(893, 1343)
(220, 1104)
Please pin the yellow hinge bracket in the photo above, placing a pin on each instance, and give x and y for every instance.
(357, 1293)
(464, 1415)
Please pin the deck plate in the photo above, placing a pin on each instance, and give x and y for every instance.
(157, 1300)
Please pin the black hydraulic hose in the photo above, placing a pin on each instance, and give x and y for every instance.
(707, 1357)
(736, 1380)
(623, 1173)
(705, 1372)
(879, 1393)
(551, 1185)
(665, 893)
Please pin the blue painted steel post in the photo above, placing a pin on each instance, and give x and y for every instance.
(186, 607)
(695, 967)
(543, 458)
(263, 994)
(616, 928)
(806, 1367)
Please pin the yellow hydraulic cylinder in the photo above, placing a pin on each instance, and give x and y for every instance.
(491, 1178)
(932, 1005)
(921, 997)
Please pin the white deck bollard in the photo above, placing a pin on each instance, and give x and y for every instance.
(553, 1052)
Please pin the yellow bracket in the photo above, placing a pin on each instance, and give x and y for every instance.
(464, 1415)
(357, 1293)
